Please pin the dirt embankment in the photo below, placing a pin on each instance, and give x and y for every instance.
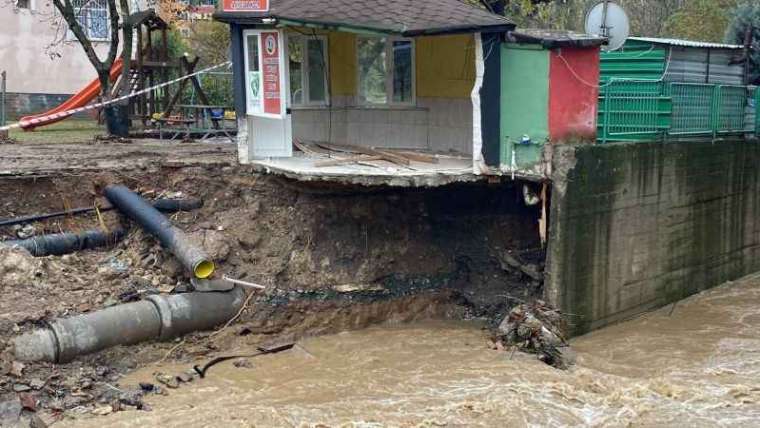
(332, 258)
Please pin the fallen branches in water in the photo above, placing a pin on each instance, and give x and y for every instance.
(536, 328)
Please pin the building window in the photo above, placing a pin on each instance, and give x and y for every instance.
(307, 59)
(253, 74)
(386, 70)
(92, 16)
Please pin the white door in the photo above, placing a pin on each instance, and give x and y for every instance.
(266, 94)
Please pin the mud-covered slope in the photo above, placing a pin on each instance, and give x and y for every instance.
(332, 258)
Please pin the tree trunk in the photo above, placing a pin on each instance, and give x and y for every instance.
(104, 76)
(126, 58)
(127, 34)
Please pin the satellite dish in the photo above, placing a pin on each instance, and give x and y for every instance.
(608, 19)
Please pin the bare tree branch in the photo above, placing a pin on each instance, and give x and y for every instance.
(103, 67)
(66, 9)
(113, 14)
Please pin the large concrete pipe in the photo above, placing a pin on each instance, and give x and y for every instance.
(157, 317)
(193, 258)
(66, 243)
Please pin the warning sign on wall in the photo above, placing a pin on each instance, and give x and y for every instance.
(270, 53)
(245, 5)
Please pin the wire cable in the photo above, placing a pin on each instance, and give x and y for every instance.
(597, 86)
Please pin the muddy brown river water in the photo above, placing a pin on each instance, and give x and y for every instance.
(697, 364)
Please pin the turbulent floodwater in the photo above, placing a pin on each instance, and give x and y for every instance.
(697, 364)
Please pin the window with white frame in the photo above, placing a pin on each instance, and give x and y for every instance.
(24, 4)
(92, 16)
(307, 59)
(386, 70)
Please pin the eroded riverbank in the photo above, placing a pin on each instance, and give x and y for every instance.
(696, 364)
(331, 259)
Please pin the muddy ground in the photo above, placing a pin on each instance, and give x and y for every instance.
(333, 258)
(61, 158)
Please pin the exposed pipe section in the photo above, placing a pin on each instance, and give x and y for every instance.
(177, 205)
(133, 206)
(164, 205)
(65, 243)
(157, 317)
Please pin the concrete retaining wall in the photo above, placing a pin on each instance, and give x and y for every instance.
(637, 226)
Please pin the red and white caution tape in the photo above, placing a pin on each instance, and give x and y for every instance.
(67, 113)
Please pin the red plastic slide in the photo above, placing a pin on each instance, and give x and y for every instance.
(80, 99)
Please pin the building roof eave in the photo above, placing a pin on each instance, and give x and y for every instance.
(237, 18)
(401, 17)
(552, 39)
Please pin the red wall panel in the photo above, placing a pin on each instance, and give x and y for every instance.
(573, 74)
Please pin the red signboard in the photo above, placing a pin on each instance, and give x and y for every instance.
(245, 5)
(270, 53)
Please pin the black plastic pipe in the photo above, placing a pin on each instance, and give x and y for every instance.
(66, 243)
(152, 221)
(40, 217)
(164, 205)
(177, 205)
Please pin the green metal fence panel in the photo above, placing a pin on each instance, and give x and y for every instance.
(757, 111)
(633, 110)
(750, 110)
(639, 61)
(693, 107)
(731, 104)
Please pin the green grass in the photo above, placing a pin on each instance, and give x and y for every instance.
(67, 131)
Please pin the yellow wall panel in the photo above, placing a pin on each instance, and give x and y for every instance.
(445, 66)
(343, 71)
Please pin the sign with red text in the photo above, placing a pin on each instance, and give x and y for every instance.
(271, 72)
(245, 5)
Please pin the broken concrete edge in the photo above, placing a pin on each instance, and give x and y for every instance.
(156, 318)
(431, 180)
(396, 181)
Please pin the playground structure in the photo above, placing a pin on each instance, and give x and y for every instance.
(80, 99)
(156, 109)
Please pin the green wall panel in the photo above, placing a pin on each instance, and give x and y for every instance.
(524, 102)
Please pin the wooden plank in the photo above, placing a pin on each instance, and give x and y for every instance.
(415, 156)
(276, 346)
(342, 149)
(313, 147)
(392, 157)
(348, 148)
(302, 147)
(348, 160)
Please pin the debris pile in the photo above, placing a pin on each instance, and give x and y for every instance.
(35, 400)
(17, 267)
(5, 139)
(536, 328)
